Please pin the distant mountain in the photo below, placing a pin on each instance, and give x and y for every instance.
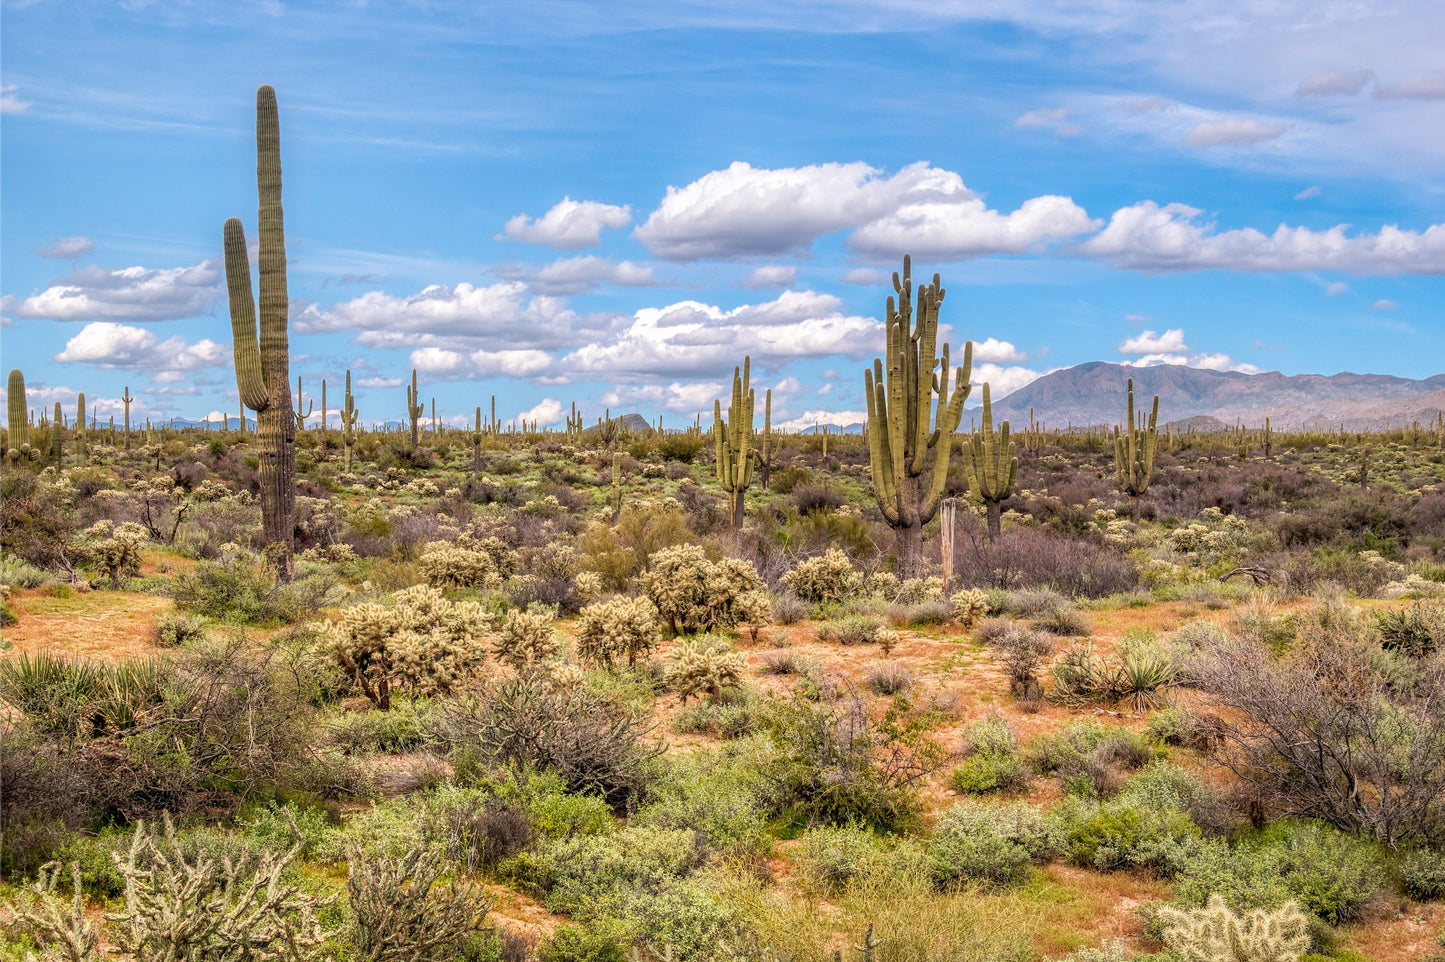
(1093, 393)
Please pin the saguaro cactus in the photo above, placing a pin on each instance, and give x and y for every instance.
(348, 422)
(323, 418)
(57, 438)
(900, 409)
(476, 440)
(80, 426)
(733, 441)
(300, 415)
(126, 399)
(1134, 447)
(263, 361)
(414, 408)
(18, 450)
(765, 452)
(993, 466)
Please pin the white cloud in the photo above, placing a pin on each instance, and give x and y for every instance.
(1206, 361)
(1383, 304)
(808, 419)
(580, 275)
(690, 337)
(1150, 342)
(447, 364)
(1337, 288)
(1427, 85)
(569, 225)
(109, 345)
(1347, 83)
(1232, 130)
(1308, 193)
(772, 275)
(747, 211)
(1002, 380)
(463, 317)
(132, 294)
(10, 102)
(379, 382)
(677, 397)
(546, 412)
(1150, 237)
(865, 277)
(1043, 117)
(68, 248)
(996, 351)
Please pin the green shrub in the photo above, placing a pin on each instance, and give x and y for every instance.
(241, 591)
(174, 629)
(1417, 631)
(988, 842)
(830, 857)
(1335, 876)
(991, 762)
(718, 800)
(1422, 873)
(579, 943)
(851, 630)
(1088, 756)
(409, 724)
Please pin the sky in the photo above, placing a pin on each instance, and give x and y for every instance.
(611, 204)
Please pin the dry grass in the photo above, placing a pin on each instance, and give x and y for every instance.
(113, 625)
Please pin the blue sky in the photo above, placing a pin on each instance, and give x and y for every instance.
(613, 203)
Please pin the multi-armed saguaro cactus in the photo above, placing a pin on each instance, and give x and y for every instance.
(733, 441)
(414, 408)
(1134, 447)
(263, 362)
(993, 466)
(899, 409)
(348, 422)
(300, 415)
(18, 450)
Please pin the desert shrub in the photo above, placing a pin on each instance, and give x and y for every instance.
(1129, 831)
(705, 666)
(1330, 730)
(1065, 621)
(715, 796)
(694, 595)
(888, 679)
(401, 909)
(174, 629)
(236, 589)
(1259, 621)
(618, 628)
(827, 578)
(968, 606)
(552, 575)
(789, 609)
(991, 762)
(988, 842)
(680, 446)
(784, 661)
(532, 720)
(1334, 876)
(1422, 874)
(419, 642)
(1175, 726)
(619, 552)
(469, 562)
(1141, 676)
(831, 858)
(851, 630)
(528, 638)
(582, 943)
(1088, 756)
(1022, 651)
(112, 549)
(835, 763)
(37, 518)
(1416, 631)
(1216, 934)
(407, 725)
(49, 794)
(1032, 558)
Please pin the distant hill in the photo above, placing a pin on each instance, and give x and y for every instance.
(1093, 393)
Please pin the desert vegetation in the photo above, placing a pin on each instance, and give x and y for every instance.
(710, 693)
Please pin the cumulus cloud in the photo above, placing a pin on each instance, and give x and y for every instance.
(109, 345)
(677, 397)
(1232, 130)
(580, 275)
(996, 351)
(379, 382)
(68, 248)
(1308, 193)
(10, 102)
(1383, 304)
(747, 211)
(461, 318)
(865, 277)
(1345, 84)
(569, 225)
(448, 364)
(690, 337)
(1002, 380)
(772, 275)
(1207, 361)
(546, 412)
(130, 294)
(1043, 117)
(1338, 287)
(1427, 85)
(809, 419)
(1150, 342)
(1171, 238)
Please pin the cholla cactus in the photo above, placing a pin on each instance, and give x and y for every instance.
(704, 666)
(1216, 934)
(829, 577)
(221, 911)
(113, 549)
(64, 931)
(420, 641)
(693, 594)
(587, 584)
(528, 638)
(756, 609)
(616, 628)
(469, 562)
(968, 606)
(915, 591)
(403, 912)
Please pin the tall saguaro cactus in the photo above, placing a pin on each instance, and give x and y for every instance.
(348, 421)
(1134, 446)
(765, 452)
(414, 408)
(18, 449)
(80, 426)
(263, 359)
(57, 438)
(733, 441)
(993, 466)
(906, 481)
(126, 399)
